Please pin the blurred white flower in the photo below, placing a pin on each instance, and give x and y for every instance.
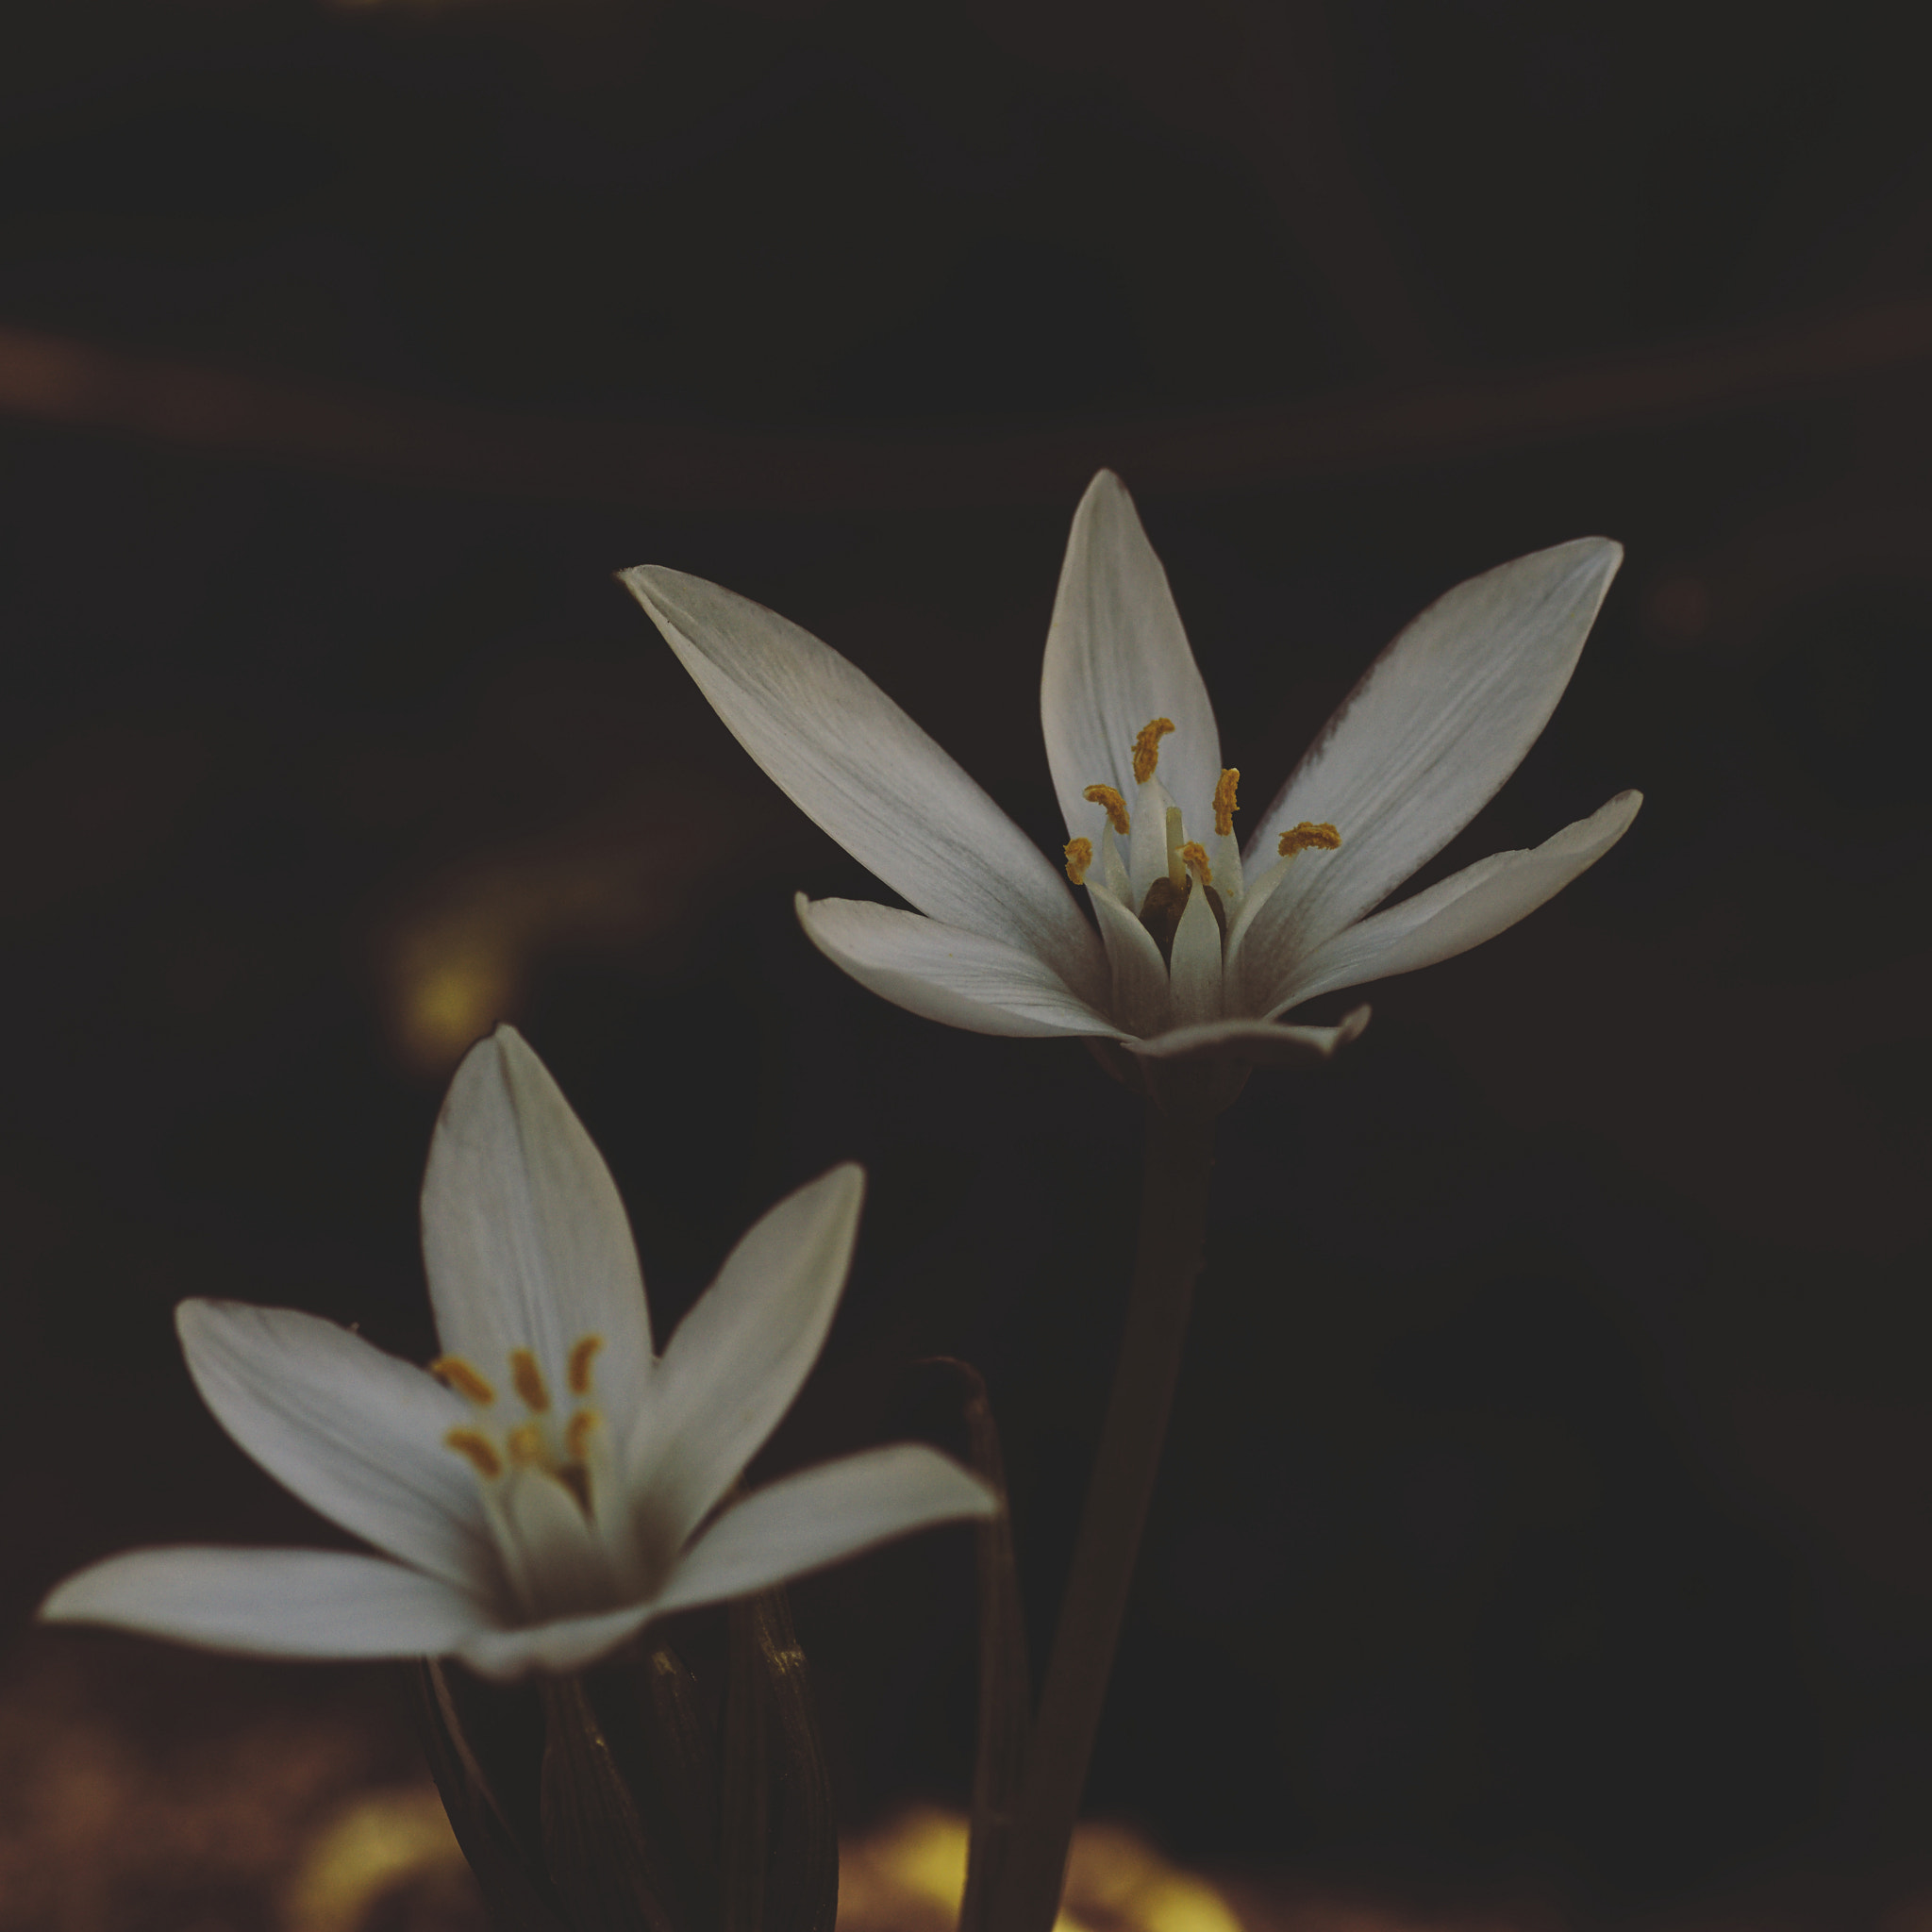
(549, 1485)
(1203, 944)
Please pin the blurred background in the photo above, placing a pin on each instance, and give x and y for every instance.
(1544, 1538)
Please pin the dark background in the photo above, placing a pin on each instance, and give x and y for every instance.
(1545, 1512)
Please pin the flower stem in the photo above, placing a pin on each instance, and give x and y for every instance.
(1174, 1220)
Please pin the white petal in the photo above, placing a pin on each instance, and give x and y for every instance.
(563, 1644)
(1462, 910)
(853, 762)
(356, 1434)
(1194, 974)
(1252, 1043)
(945, 973)
(562, 1561)
(741, 1355)
(1440, 721)
(823, 1516)
(523, 1233)
(1141, 1001)
(1117, 658)
(271, 1603)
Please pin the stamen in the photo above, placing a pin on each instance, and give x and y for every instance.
(1194, 857)
(1115, 806)
(478, 1450)
(1224, 806)
(526, 1446)
(528, 1379)
(1080, 856)
(577, 1437)
(453, 1372)
(582, 1354)
(1310, 838)
(1147, 748)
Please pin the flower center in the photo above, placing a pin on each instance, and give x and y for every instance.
(535, 1442)
(543, 1477)
(1144, 860)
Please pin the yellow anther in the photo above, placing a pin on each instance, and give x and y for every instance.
(1147, 748)
(1308, 837)
(453, 1372)
(1196, 858)
(1224, 806)
(1080, 856)
(577, 1437)
(528, 1379)
(581, 1356)
(478, 1450)
(526, 1446)
(1114, 805)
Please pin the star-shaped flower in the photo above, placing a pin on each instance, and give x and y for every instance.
(549, 1485)
(1202, 943)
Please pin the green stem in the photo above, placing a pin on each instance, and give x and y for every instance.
(1174, 1220)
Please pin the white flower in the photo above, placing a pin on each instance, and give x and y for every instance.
(550, 1485)
(1202, 943)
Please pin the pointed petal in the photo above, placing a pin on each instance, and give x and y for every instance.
(1116, 658)
(271, 1603)
(564, 1644)
(945, 973)
(1194, 972)
(356, 1434)
(524, 1235)
(1252, 1043)
(1440, 721)
(822, 1516)
(857, 765)
(1462, 910)
(1140, 997)
(562, 1561)
(741, 1355)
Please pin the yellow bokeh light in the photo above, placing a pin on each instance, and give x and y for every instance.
(909, 1875)
(370, 1848)
(451, 999)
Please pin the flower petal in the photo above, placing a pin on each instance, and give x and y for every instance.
(1252, 1043)
(741, 1355)
(271, 1603)
(857, 765)
(1462, 910)
(1194, 971)
(1142, 992)
(561, 1560)
(1441, 718)
(822, 1516)
(523, 1233)
(564, 1644)
(1117, 658)
(945, 973)
(356, 1434)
